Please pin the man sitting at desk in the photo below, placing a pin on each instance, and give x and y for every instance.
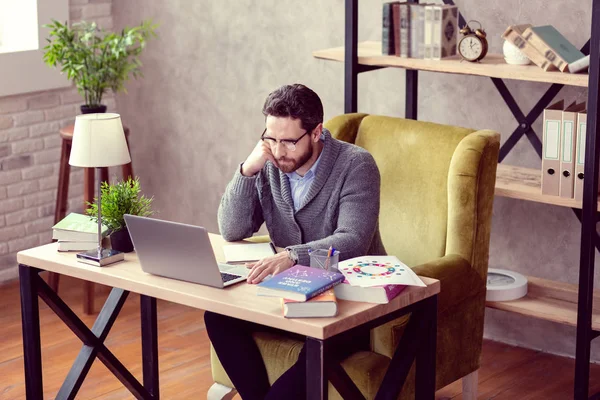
(312, 192)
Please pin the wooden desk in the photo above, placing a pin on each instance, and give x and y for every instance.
(239, 301)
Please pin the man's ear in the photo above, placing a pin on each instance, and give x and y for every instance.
(318, 131)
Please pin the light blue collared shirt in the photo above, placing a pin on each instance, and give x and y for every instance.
(299, 185)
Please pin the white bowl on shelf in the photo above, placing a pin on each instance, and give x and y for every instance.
(514, 56)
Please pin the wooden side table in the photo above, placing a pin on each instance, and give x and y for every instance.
(62, 197)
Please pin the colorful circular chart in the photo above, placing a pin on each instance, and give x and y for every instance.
(373, 269)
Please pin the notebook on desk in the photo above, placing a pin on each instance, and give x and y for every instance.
(180, 251)
(239, 253)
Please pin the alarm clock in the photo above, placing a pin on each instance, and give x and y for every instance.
(473, 46)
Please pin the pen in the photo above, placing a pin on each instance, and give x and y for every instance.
(328, 258)
(273, 247)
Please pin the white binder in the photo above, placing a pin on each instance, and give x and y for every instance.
(551, 149)
(568, 149)
(580, 154)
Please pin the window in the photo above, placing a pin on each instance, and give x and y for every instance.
(22, 39)
(18, 26)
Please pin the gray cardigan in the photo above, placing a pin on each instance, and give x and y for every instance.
(341, 208)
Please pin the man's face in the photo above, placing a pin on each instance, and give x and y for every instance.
(286, 128)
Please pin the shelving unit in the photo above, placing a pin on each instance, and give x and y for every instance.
(526, 184)
(575, 305)
(551, 301)
(493, 65)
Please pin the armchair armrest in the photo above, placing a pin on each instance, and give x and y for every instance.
(458, 280)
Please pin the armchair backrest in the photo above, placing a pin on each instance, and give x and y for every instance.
(437, 184)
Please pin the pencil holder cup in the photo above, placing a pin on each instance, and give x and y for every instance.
(318, 259)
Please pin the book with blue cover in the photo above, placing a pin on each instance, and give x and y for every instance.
(553, 45)
(299, 283)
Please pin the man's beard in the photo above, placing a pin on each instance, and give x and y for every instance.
(292, 165)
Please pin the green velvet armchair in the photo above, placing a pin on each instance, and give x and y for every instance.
(437, 192)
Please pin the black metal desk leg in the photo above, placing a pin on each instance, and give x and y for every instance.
(316, 379)
(30, 319)
(150, 345)
(351, 57)
(411, 104)
(425, 359)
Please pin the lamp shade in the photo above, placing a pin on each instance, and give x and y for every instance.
(98, 141)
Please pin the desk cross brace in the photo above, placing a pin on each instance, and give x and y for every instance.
(32, 286)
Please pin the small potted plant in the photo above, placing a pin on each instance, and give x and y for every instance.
(96, 60)
(119, 199)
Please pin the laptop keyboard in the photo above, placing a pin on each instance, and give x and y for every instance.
(228, 277)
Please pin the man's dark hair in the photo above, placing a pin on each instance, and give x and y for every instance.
(295, 101)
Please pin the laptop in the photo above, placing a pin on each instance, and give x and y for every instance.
(180, 251)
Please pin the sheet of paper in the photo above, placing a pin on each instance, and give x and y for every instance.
(370, 271)
(247, 252)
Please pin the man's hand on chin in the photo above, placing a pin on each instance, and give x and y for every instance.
(269, 265)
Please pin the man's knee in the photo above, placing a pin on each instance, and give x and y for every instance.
(214, 321)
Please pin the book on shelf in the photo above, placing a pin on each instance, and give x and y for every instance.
(413, 30)
(323, 305)
(417, 30)
(387, 33)
(579, 65)
(428, 32)
(553, 45)
(444, 27)
(396, 27)
(77, 228)
(395, 34)
(299, 283)
(514, 34)
(374, 294)
(404, 29)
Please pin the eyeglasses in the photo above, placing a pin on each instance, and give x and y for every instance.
(288, 143)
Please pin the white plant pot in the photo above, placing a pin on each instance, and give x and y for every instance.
(512, 54)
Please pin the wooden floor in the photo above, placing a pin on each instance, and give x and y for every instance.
(507, 372)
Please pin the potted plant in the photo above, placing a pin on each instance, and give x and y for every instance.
(119, 199)
(96, 60)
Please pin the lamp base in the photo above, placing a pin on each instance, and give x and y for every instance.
(106, 256)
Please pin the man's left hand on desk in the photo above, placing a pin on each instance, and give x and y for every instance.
(271, 265)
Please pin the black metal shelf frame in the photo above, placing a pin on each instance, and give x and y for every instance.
(588, 215)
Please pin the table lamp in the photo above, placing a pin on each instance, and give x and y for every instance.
(99, 141)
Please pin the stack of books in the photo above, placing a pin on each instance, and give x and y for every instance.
(304, 291)
(313, 292)
(77, 232)
(427, 31)
(547, 48)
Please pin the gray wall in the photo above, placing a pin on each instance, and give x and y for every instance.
(196, 115)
